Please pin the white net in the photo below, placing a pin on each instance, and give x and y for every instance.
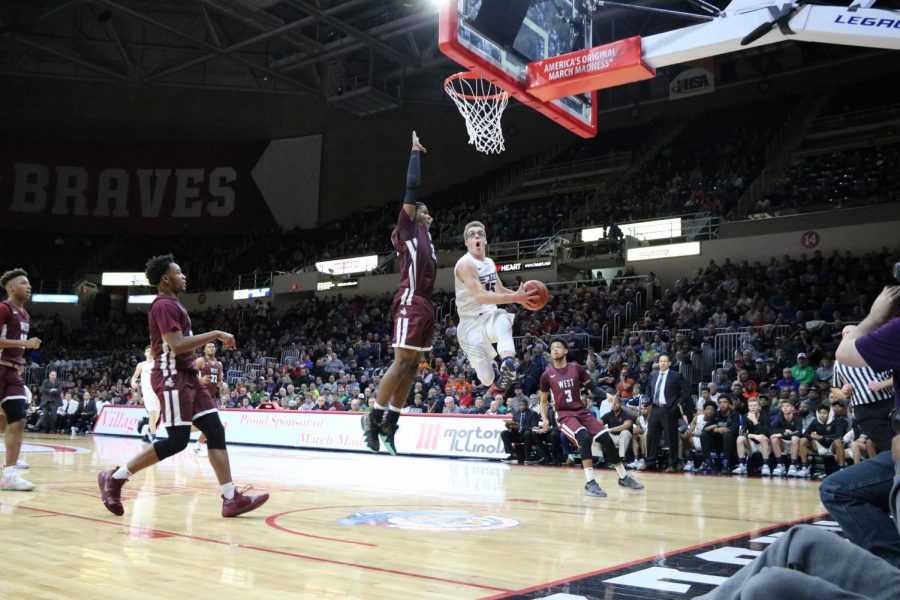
(481, 103)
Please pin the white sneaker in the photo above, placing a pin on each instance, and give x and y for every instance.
(16, 484)
(739, 470)
(21, 464)
(632, 465)
(641, 466)
(804, 472)
(197, 448)
(778, 472)
(766, 471)
(689, 466)
(74, 431)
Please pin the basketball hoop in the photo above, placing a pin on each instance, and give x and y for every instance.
(481, 103)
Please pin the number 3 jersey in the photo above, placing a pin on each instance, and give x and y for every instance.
(565, 386)
(466, 304)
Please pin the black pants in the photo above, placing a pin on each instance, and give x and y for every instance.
(874, 422)
(662, 420)
(726, 443)
(554, 439)
(47, 422)
(517, 442)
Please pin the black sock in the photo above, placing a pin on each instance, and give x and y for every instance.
(392, 417)
(376, 415)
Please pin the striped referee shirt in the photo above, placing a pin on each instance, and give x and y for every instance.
(860, 378)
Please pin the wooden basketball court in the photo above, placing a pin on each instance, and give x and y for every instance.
(350, 525)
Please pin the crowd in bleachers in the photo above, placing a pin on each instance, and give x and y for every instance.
(329, 353)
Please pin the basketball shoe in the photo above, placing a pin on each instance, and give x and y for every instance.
(592, 488)
(387, 432)
(111, 491)
(12, 482)
(241, 504)
(630, 482)
(371, 435)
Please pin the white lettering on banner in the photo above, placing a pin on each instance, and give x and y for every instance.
(30, 188)
(653, 579)
(33, 186)
(70, 185)
(472, 437)
(730, 555)
(113, 185)
(692, 82)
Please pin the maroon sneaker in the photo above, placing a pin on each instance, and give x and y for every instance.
(111, 492)
(241, 504)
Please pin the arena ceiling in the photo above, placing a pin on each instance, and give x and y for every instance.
(363, 56)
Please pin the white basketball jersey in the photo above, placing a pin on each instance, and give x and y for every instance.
(146, 388)
(466, 305)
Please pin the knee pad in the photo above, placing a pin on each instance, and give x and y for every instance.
(609, 447)
(211, 426)
(14, 409)
(584, 444)
(176, 442)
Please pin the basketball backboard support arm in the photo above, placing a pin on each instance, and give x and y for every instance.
(853, 26)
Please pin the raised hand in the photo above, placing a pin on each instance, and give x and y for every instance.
(416, 145)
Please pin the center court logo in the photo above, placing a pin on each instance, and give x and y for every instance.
(430, 520)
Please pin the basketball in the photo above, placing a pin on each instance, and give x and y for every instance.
(543, 295)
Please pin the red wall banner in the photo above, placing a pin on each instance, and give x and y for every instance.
(158, 190)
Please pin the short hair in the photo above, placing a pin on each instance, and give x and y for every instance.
(559, 340)
(12, 274)
(786, 401)
(472, 224)
(157, 267)
(709, 404)
(420, 205)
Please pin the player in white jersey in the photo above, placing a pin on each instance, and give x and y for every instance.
(151, 402)
(482, 323)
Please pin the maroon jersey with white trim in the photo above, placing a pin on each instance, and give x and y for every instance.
(167, 315)
(418, 263)
(14, 325)
(213, 370)
(565, 386)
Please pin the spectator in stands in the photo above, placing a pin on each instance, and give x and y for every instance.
(639, 438)
(753, 437)
(619, 423)
(87, 412)
(787, 380)
(719, 438)
(802, 372)
(824, 439)
(692, 447)
(515, 441)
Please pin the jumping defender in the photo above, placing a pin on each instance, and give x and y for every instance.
(412, 309)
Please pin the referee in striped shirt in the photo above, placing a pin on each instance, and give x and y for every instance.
(872, 396)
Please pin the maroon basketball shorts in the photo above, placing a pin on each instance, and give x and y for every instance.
(11, 384)
(413, 324)
(571, 421)
(182, 397)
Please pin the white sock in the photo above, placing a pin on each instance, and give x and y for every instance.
(121, 473)
(393, 408)
(620, 471)
(589, 474)
(379, 407)
(228, 490)
(9, 472)
(199, 443)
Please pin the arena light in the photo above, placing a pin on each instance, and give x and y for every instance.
(125, 280)
(665, 251)
(645, 230)
(141, 299)
(55, 298)
(249, 294)
(348, 266)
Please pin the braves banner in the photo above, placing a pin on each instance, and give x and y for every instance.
(471, 436)
(595, 68)
(161, 190)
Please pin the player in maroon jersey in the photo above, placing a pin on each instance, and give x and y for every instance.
(14, 326)
(565, 380)
(184, 400)
(212, 375)
(412, 310)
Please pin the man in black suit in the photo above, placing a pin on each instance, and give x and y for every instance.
(518, 438)
(51, 400)
(87, 412)
(669, 392)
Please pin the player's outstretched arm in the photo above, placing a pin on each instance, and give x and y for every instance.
(137, 374)
(413, 177)
(544, 409)
(469, 276)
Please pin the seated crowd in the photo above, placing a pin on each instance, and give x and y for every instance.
(773, 397)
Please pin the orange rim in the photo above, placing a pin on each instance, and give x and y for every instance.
(448, 85)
